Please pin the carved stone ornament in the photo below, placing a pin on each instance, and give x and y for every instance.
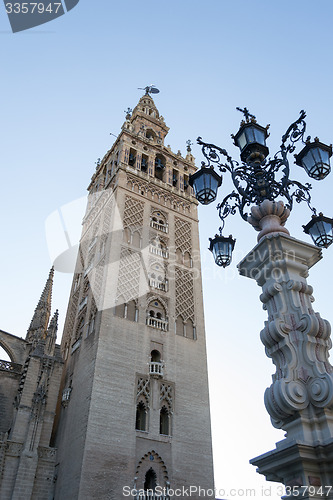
(269, 217)
(295, 337)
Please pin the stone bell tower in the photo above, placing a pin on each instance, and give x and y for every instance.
(134, 409)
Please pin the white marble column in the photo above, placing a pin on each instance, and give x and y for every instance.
(300, 399)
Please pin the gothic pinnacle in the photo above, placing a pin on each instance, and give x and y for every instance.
(51, 335)
(40, 319)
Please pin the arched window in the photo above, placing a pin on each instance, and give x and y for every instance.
(187, 259)
(175, 175)
(158, 247)
(159, 166)
(150, 134)
(180, 326)
(131, 311)
(155, 356)
(127, 235)
(92, 319)
(77, 282)
(164, 421)
(156, 316)
(141, 417)
(120, 308)
(132, 158)
(144, 163)
(156, 274)
(150, 480)
(136, 239)
(179, 256)
(158, 221)
(86, 286)
(80, 328)
(156, 365)
(189, 329)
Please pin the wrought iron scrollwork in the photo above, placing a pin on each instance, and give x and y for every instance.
(294, 133)
(259, 179)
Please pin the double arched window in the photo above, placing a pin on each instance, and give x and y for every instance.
(165, 421)
(127, 310)
(141, 416)
(156, 315)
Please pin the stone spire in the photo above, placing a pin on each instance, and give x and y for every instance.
(146, 121)
(38, 326)
(51, 335)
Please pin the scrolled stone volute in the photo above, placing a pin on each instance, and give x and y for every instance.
(269, 217)
(283, 399)
(295, 337)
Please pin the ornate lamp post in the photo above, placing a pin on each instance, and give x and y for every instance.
(300, 399)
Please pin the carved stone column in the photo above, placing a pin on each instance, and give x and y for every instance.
(300, 399)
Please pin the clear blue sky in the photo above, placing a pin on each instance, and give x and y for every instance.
(64, 88)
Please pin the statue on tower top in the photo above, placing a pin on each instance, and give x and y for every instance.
(150, 89)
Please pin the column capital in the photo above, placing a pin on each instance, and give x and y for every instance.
(279, 257)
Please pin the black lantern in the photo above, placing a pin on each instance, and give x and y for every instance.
(315, 159)
(205, 183)
(222, 248)
(251, 138)
(320, 228)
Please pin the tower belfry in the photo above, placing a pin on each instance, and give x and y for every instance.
(135, 406)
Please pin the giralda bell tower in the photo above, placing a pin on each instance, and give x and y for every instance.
(134, 409)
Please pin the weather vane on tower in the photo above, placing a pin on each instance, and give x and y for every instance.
(150, 89)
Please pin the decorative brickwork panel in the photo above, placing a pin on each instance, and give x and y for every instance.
(98, 284)
(143, 390)
(133, 213)
(70, 320)
(129, 274)
(183, 238)
(184, 294)
(166, 395)
(162, 196)
(107, 211)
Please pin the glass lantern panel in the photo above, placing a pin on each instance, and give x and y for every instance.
(250, 135)
(205, 187)
(325, 158)
(328, 228)
(308, 161)
(242, 141)
(199, 183)
(316, 162)
(214, 184)
(321, 233)
(323, 167)
(222, 253)
(316, 155)
(316, 229)
(260, 137)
